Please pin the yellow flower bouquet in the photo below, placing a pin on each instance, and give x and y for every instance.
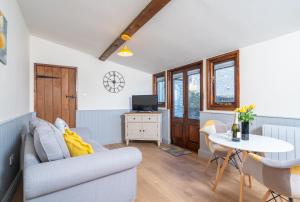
(246, 116)
(246, 113)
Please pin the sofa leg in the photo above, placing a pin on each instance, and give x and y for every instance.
(127, 142)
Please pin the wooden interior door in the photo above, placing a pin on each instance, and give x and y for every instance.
(55, 93)
(186, 104)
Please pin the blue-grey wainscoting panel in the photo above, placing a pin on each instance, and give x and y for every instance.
(166, 138)
(10, 140)
(255, 127)
(107, 126)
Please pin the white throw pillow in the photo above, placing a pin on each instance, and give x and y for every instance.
(61, 125)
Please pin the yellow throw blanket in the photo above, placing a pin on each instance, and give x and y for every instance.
(76, 145)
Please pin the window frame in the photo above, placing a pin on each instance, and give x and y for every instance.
(154, 85)
(211, 104)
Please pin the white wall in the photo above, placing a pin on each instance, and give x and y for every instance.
(91, 92)
(270, 76)
(14, 77)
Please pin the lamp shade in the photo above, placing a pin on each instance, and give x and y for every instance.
(125, 52)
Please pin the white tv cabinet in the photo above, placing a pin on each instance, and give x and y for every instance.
(143, 126)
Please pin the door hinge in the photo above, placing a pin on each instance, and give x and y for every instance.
(46, 77)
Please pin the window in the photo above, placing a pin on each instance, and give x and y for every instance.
(223, 82)
(194, 97)
(159, 88)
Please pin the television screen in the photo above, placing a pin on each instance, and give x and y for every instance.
(144, 103)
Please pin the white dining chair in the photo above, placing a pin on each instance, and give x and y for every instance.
(282, 178)
(218, 152)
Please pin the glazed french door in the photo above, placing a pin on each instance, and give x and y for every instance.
(186, 103)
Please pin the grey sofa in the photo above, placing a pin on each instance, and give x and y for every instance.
(105, 176)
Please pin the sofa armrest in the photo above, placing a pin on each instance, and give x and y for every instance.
(49, 177)
(84, 132)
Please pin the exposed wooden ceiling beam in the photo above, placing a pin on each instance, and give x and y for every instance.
(151, 9)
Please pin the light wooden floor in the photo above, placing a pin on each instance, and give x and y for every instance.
(164, 178)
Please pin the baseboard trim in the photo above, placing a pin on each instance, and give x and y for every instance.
(12, 188)
(165, 141)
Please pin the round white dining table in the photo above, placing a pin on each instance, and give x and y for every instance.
(256, 143)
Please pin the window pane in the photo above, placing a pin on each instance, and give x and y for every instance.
(161, 89)
(194, 94)
(178, 95)
(224, 82)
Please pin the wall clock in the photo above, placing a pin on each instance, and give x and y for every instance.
(113, 82)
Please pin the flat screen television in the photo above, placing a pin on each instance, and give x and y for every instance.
(144, 103)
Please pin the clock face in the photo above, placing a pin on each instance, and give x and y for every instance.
(113, 82)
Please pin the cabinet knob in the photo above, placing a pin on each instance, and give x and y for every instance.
(143, 130)
(149, 118)
(133, 118)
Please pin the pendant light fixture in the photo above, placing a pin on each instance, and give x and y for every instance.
(125, 51)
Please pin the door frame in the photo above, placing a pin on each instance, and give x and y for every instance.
(170, 91)
(55, 66)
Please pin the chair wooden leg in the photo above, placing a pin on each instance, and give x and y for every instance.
(242, 181)
(218, 170)
(266, 196)
(250, 181)
(208, 163)
(220, 174)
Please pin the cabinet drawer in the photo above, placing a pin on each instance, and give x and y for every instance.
(150, 118)
(133, 118)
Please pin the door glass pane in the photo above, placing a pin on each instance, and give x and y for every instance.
(178, 108)
(224, 82)
(161, 89)
(194, 94)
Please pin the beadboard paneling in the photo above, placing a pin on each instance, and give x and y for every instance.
(10, 139)
(107, 126)
(166, 138)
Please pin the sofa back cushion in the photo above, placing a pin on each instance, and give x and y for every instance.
(49, 143)
(30, 156)
(34, 123)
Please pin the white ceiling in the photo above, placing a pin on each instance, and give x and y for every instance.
(183, 32)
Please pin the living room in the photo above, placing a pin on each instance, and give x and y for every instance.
(172, 100)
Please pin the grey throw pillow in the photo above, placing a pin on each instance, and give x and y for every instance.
(49, 143)
(34, 123)
(61, 125)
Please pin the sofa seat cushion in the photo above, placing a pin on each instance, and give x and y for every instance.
(49, 143)
(96, 146)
